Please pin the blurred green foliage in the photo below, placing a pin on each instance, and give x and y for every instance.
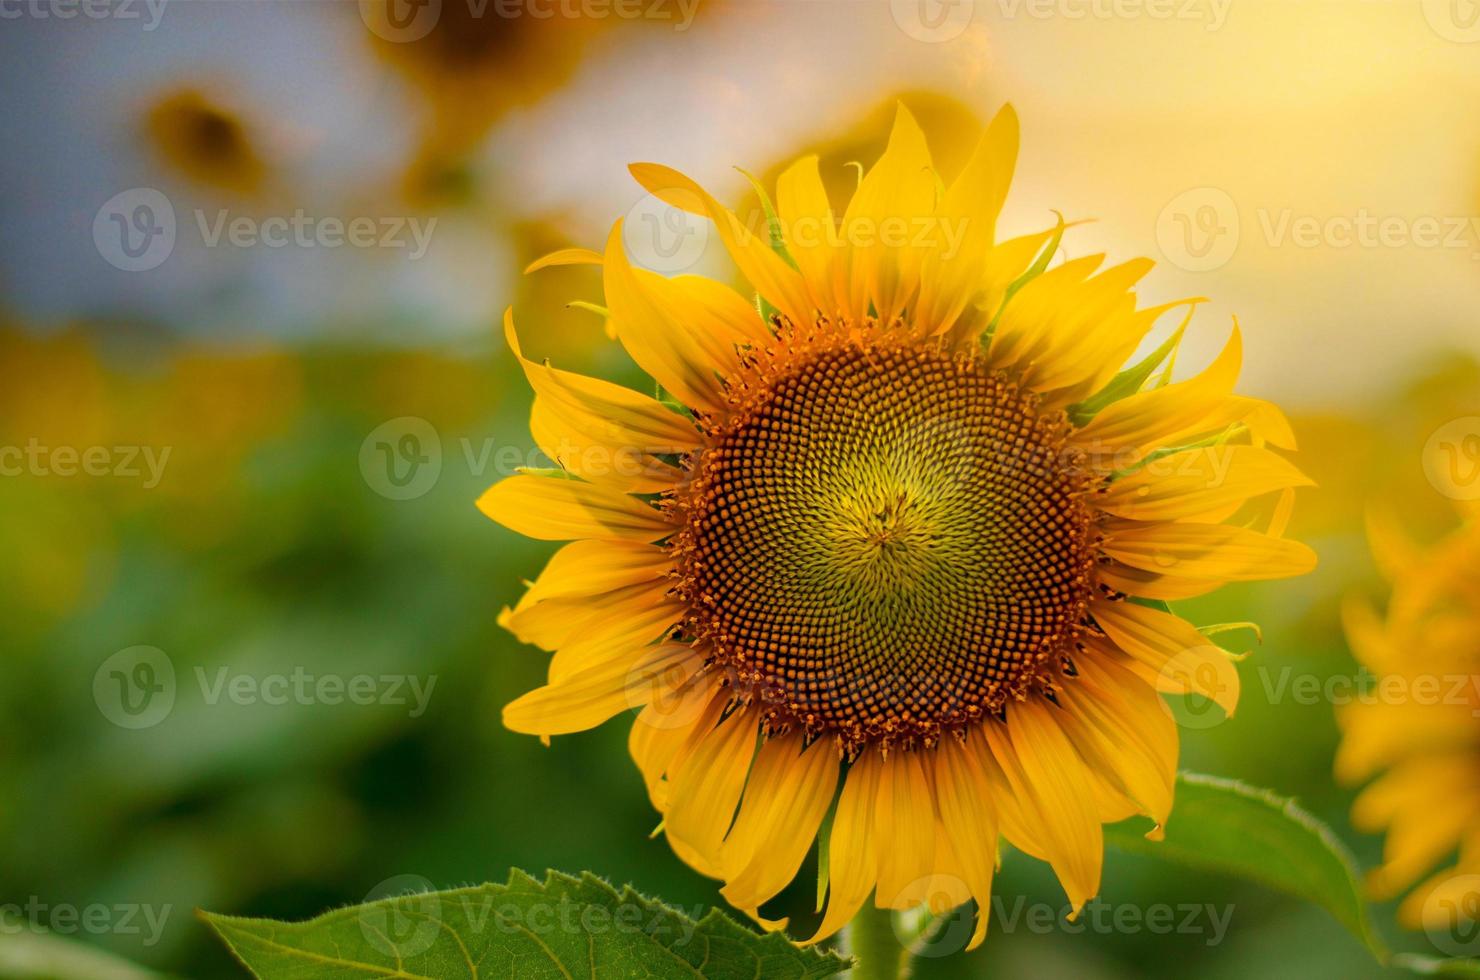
(266, 548)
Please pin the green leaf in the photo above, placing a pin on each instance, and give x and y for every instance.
(1226, 826)
(563, 927)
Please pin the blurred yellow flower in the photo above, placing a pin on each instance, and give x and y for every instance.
(206, 142)
(471, 67)
(1419, 731)
(882, 543)
(947, 122)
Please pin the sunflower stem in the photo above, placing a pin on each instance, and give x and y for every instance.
(876, 949)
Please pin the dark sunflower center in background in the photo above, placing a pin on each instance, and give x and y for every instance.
(885, 543)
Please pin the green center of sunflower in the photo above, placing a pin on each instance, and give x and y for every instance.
(884, 542)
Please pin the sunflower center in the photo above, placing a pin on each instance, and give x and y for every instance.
(884, 542)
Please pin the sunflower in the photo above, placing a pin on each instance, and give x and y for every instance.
(207, 142)
(1421, 727)
(888, 564)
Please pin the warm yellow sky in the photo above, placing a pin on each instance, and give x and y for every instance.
(1340, 141)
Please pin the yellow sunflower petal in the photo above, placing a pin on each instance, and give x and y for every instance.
(553, 622)
(564, 510)
(706, 788)
(1162, 417)
(810, 231)
(602, 459)
(852, 863)
(653, 329)
(1123, 729)
(1211, 551)
(965, 225)
(969, 822)
(1178, 658)
(1068, 333)
(785, 801)
(604, 637)
(881, 223)
(664, 730)
(1052, 789)
(603, 411)
(905, 823)
(564, 256)
(1152, 585)
(1444, 902)
(588, 698)
(587, 568)
(1191, 483)
(778, 282)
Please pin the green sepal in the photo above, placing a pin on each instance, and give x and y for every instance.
(1039, 266)
(1129, 381)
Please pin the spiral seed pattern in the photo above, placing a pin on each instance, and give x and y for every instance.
(885, 542)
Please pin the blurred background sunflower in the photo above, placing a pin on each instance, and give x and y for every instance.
(252, 258)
